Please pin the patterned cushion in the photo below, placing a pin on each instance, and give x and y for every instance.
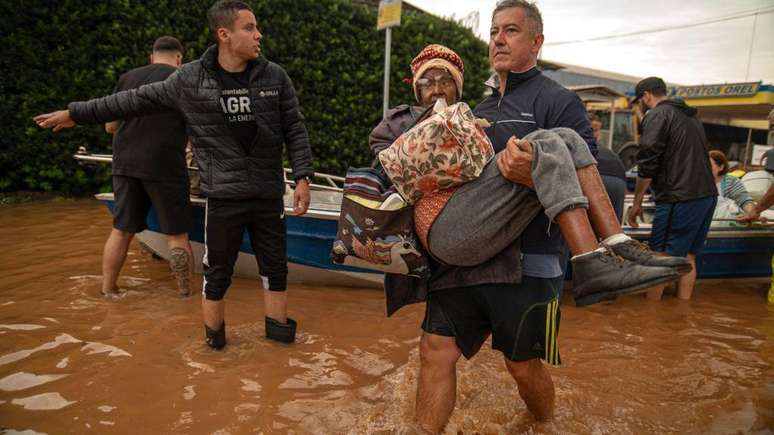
(446, 150)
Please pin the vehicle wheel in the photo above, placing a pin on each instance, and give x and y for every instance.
(628, 154)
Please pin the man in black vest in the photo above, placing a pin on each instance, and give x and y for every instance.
(240, 109)
(149, 169)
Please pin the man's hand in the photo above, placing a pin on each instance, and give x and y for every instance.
(57, 120)
(301, 197)
(515, 162)
(634, 212)
(752, 216)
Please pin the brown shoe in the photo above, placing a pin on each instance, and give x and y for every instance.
(640, 253)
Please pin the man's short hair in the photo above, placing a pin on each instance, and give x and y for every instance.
(223, 14)
(530, 9)
(654, 85)
(594, 118)
(167, 44)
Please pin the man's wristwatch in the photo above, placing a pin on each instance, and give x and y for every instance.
(306, 178)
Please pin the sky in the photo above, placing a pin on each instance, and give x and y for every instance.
(690, 53)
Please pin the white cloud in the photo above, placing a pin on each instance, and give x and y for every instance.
(711, 53)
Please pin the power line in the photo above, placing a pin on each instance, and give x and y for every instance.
(736, 16)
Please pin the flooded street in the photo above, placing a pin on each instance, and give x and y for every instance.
(72, 362)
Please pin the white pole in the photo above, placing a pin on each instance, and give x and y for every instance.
(387, 44)
(612, 126)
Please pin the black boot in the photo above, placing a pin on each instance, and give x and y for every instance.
(601, 274)
(215, 339)
(282, 332)
(640, 253)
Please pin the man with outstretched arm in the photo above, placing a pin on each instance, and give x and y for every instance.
(240, 109)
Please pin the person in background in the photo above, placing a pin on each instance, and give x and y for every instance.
(766, 202)
(611, 168)
(729, 186)
(673, 161)
(149, 169)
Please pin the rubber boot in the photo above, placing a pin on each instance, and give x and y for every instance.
(215, 339)
(282, 332)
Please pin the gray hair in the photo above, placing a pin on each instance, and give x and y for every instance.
(223, 14)
(530, 9)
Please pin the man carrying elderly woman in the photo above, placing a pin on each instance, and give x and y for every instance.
(497, 267)
(470, 224)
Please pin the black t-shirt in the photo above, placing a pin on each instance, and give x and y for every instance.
(235, 102)
(150, 147)
(608, 163)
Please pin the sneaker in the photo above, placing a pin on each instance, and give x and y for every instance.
(599, 275)
(215, 339)
(640, 253)
(282, 332)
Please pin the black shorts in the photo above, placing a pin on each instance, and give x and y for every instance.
(133, 200)
(224, 229)
(523, 319)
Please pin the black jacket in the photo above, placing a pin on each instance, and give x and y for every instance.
(674, 153)
(228, 169)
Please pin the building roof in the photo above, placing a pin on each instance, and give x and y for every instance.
(593, 72)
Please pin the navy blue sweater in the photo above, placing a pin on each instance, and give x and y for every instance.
(533, 101)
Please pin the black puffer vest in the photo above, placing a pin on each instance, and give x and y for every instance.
(228, 169)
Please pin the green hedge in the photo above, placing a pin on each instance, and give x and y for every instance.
(70, 50)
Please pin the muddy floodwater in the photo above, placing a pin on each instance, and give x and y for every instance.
(72, 362)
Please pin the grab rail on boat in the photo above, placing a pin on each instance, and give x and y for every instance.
(332, 182)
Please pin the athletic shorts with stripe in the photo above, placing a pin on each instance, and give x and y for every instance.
(523, 319)
(256, 224)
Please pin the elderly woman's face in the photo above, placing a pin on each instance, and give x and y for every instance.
(434, 84)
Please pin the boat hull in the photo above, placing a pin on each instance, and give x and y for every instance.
(728, 252)
(309, 241)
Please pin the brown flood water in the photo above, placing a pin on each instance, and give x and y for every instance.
(71, 362)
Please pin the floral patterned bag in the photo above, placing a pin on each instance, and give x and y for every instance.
(447, 149)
